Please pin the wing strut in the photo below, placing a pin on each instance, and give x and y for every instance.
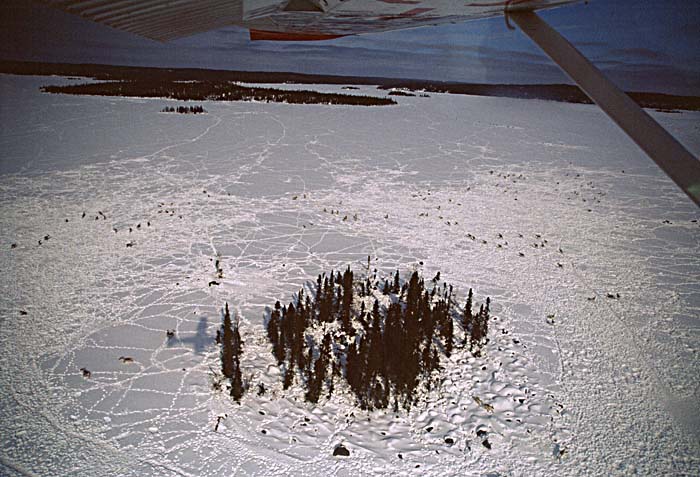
(674, 159)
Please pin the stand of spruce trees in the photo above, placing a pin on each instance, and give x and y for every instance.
(383, 353)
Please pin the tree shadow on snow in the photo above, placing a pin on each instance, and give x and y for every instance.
(199, 341)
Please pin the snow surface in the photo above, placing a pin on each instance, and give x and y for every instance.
(572, 383)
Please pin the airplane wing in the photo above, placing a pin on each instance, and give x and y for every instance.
(282, 20)
(294, 20)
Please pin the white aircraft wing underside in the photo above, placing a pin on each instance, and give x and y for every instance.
(165, 20)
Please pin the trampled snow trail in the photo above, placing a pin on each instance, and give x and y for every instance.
(525, 201)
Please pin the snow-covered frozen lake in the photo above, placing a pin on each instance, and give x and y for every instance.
(607, 386)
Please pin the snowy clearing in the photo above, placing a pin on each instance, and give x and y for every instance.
(576, 380)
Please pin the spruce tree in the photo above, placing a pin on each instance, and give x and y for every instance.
(467, 317)
(273, 332)
(319, 294)
(331, 379)
(319, 377)
(426, 357)
(309, 362)
(273, 326)
(386, 289)
(449, 335)
(227, 350)
(478, 331)
(237, 382)
(375, 351)
(236, 342)
(231, 350)
(326, 348)
(288, 377)
(351, 367)
(283, 345)
(347, 300)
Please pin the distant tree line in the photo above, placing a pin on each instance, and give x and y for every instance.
(213, 91)
(383, 352)
(556, 92)
(183, 110)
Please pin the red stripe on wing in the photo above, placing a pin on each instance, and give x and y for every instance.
(262, 35)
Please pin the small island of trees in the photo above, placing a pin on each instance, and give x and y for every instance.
(385, 340)
(215, 90)
(183, 109)
(400, 93)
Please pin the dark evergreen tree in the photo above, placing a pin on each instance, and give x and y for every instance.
(319, 294)
(467, 317)
(347, 300)
(227, 348)
(231, 351)
(283, 344)
(352, 372)
(331, 379)
(236, 342)
(393, 338)
(386, 289)
(326, 348)
(288, 377)
(309, 362)
(273, 333)
(375, 346)
(448, 335)
(426, 359)
(237, 388)
(479, 330)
